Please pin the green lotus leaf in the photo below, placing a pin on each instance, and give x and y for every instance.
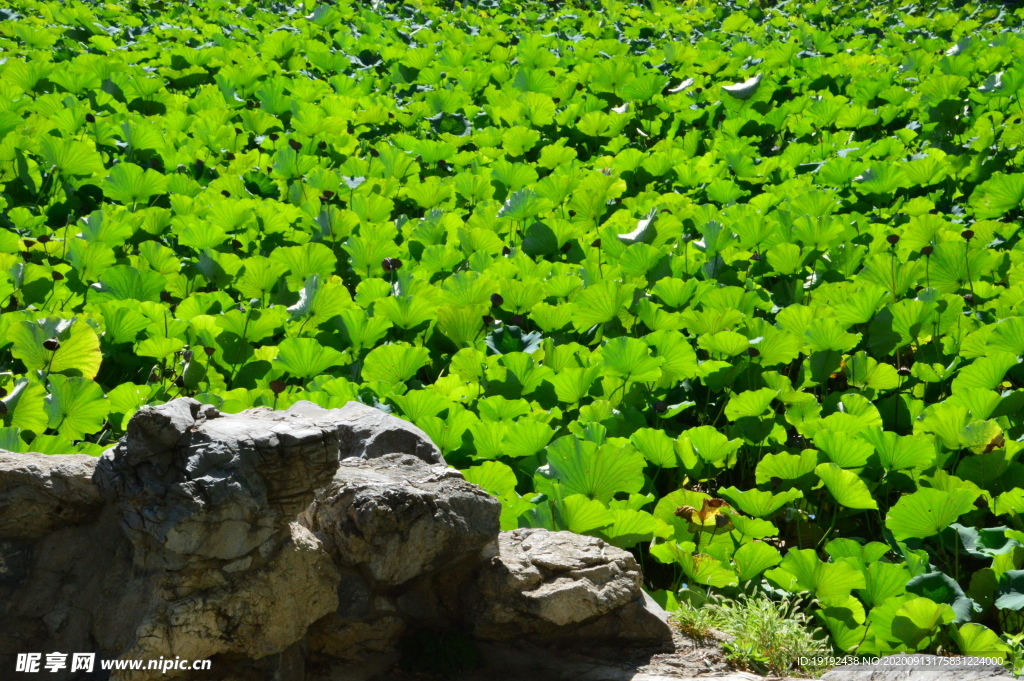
(25, 407)
(846, 487)
(493, 476)
(77, 352)
(599, 304)
(979, 641)
(395, 363)
(927, 512)
(306, 358)
(750, 403)
(711, 445)
(75, 407)
(758, 503)
(130, 184)
(802, 570)
(942, 588)
(754, 558)
(918, 621)
(631, 360)
(597, 472)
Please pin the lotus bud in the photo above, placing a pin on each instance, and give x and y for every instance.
(277, 387)
(496, 300)
(903, 371)
(187, 355)
(51, 344)
(274, 137)
(226, 194)
(967, 234)
(57, 276)
(893, 239)
(660, 407)
(295, 144)
(517, 320)
(753, 352)
(89, 118)
(927, 251)
(44, 239)
(208, 350)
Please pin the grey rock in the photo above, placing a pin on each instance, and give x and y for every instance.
(926, 667)
(190, 482)
(367, 433)
(396, 518)
(40, 493)
(563, 586)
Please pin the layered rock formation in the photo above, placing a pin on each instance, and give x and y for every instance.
(276, 543)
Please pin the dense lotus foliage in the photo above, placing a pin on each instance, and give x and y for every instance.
(735, 285)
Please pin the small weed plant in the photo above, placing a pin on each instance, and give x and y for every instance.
(765, 635)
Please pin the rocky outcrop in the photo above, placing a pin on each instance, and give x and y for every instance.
(268, 539)
(40, 493)
(550, 585)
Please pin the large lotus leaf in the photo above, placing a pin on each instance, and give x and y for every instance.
(360, 330)
(759, 503)
(711, 445)
(942, 588)
(782, 467)
(843, 448)
(526, 437)
(657, 447)
(998, 195)
(24, 407)
(828, 334)
(918, 621)
(750, 403)
(123, 282)
(130, 184)
(597, 472)
(845, 623)
(928, 511)
(306, 357)
(846, 487)
(599, 303)
(680, 358)
(631, 527)
(394, 363)
(76, 406)
(882, 582)
(70, 157)
(77, 352)
(802, 570)
(913, 452)
(754, 558)
(704, 569)
(978, 640)
(631, 360)
(1010, 594)
(579, 514)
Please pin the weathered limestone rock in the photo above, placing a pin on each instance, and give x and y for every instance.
(41, 493)
(190, 483)
(396, 518)
(271, 540)
(367, 433)
(559, 585)
(927, 667)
